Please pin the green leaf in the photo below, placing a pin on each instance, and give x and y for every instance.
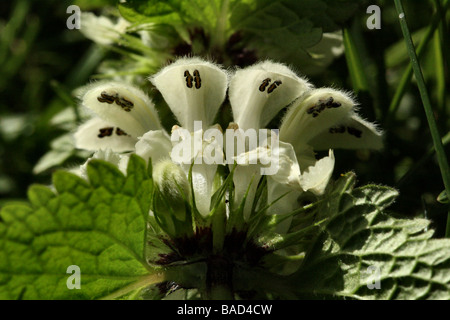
(359, 238)
(98, 225)
(328, 15)
(292, 31)
(275, 24)
(181, 15)
(149, 11)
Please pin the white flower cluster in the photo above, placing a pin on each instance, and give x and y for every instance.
(126, 121)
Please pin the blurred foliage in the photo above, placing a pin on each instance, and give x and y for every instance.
(42, 63)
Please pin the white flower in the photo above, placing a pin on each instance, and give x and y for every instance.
(317, 119)
(102, 30)
(122, 113)
(125, 119)
(259, 92)
(194, 90)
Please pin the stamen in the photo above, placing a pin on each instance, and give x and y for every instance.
(316, 109)
(120, 132)
(340, 129)
(105, 97)
(354, 132)
(126, 105)
(273, 86)
(189, 79)
(264, 84)
(105, 132)
(197, 79)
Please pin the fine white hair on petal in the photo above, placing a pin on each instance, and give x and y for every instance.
(123, 105)
(257, 93)
(194, 89)
(315, 112)
(96, 134)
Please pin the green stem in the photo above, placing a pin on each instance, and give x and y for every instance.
(406, 77)
(442, 158)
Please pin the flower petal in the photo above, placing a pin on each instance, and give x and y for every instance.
(351, 133)
(259, 92)
(97, 134)
(154, 144)
(202, 181)
(198, 146)
(317, 111)
(315, 178)
(194, 89)
(101, 29)
(124, 105)
(106, 155)
(288, 172)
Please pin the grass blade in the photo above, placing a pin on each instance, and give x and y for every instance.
(406, 77)
(442, 158)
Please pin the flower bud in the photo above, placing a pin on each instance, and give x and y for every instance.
(170, 201)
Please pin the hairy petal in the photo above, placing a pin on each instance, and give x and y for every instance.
(352, 133)
(96, 134)
(314, 113)
(194, 89)
(315, 178)
(100, 29)
(259, 92)
(123, 105)
(154, 145)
